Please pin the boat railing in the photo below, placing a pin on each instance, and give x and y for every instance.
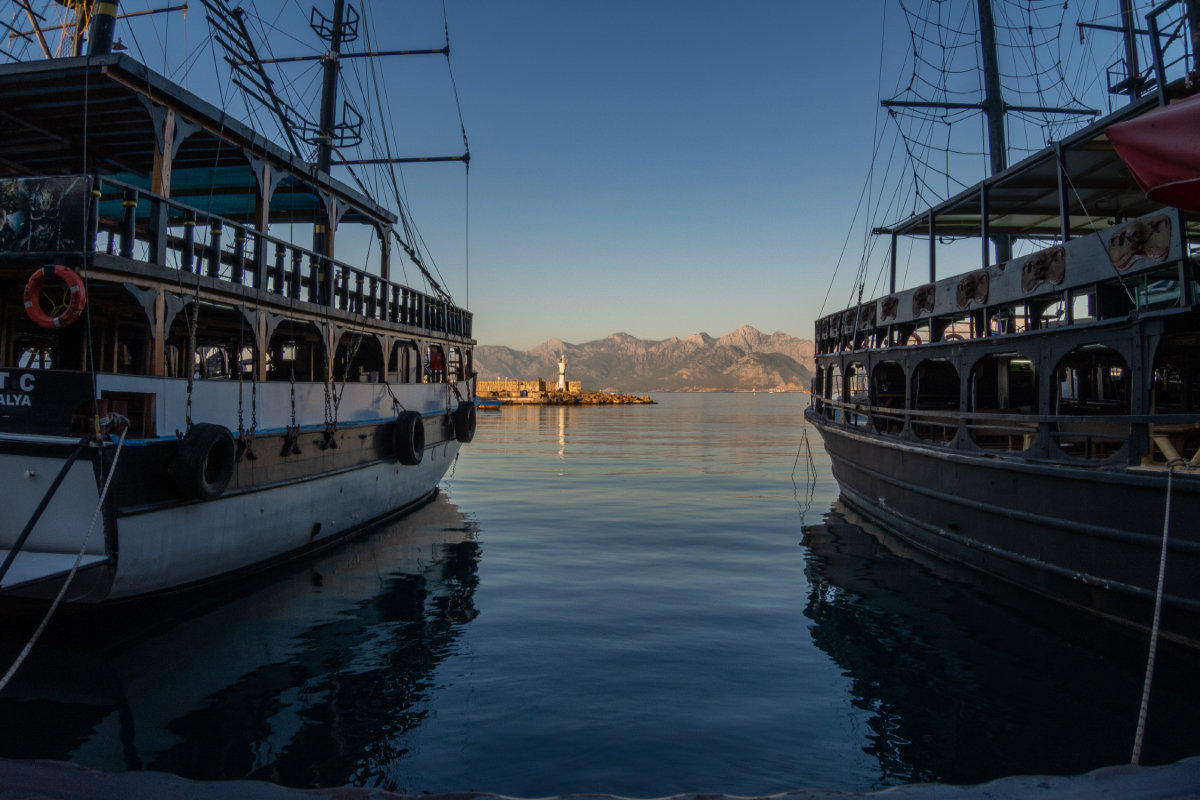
(1130, 439)
(1171, 43)
(136, 224)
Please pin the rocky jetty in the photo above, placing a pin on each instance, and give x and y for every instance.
(588, 398)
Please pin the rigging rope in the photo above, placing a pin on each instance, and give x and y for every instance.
(1158, 596)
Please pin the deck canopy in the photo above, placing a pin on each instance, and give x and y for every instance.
(1094, 183)
(104, 114)
(1162, 152)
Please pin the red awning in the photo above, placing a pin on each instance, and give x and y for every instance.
(1162, 150)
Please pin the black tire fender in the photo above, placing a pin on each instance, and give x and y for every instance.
(464, 421)
(408, 437)
(204, 464)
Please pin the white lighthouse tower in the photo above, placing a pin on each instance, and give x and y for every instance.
(562, 372)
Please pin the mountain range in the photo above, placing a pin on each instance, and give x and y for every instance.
(743, 359)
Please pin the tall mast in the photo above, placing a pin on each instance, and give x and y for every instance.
(994, 108)
(331, 66)
(993, 97)
(322, 233)
(1133, 70)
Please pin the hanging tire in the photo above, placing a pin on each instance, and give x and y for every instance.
(203, 466)
(464, 421)
(408, 437)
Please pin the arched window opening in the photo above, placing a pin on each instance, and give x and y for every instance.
(1006, 382)
(936, 389)
(1003, 384)
(1091, 385)
(296, 352)
(457, 364)
(1176, 385)
(858, 392)
(224, 341)
(833, 391)
(435, 364)
(887, 391)
(403, 366)
(1175, 389)
(358, 359)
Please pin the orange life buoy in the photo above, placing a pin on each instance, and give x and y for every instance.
(63, 313)
(913, 339)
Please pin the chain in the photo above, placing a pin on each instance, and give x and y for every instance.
(240, 368)
(292, 381)
(291, 438)
(192, 318)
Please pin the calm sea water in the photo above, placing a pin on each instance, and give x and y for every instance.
(640, 600)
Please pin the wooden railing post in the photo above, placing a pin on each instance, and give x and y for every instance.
(128, 222)
(214, 248)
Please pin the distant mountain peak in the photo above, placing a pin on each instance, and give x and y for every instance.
(742, 359)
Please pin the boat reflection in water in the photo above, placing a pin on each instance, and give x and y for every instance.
(967, 682)
(310, 676)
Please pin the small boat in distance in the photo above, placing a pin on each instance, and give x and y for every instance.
(1036, 417)
(194, 383)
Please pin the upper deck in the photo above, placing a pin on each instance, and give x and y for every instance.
(113, 116)
(108, 165)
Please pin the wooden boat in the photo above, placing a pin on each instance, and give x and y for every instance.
(188, 390)
(1037, 418)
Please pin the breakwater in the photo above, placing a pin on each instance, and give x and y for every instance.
(539, 392)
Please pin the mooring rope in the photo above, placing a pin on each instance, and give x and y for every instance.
(811, 475)
(70, 575)
(1158, 596)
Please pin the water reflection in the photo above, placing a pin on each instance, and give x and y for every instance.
(961, 688)
(309, 676)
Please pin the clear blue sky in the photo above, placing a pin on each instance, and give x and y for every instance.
(658, 167)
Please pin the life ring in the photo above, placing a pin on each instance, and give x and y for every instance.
(408, 437)
(204, 464)
(953, 337)
(67, 312)
(464, 421)
(913, 339)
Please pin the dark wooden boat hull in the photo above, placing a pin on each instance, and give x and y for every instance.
(1088, 537)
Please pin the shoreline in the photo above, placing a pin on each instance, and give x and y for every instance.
(582, 398)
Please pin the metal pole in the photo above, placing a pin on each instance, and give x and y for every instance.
(104, 19)
(1134, 76)
(993, 106)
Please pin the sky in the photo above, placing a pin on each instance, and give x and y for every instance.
(668, 167)
(661, 168)
(653, 167)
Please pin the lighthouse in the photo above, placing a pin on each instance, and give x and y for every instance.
(562, 372)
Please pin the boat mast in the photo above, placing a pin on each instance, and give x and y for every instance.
(332, 66)
(993, 98)
(994, 108)
(322, 241)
